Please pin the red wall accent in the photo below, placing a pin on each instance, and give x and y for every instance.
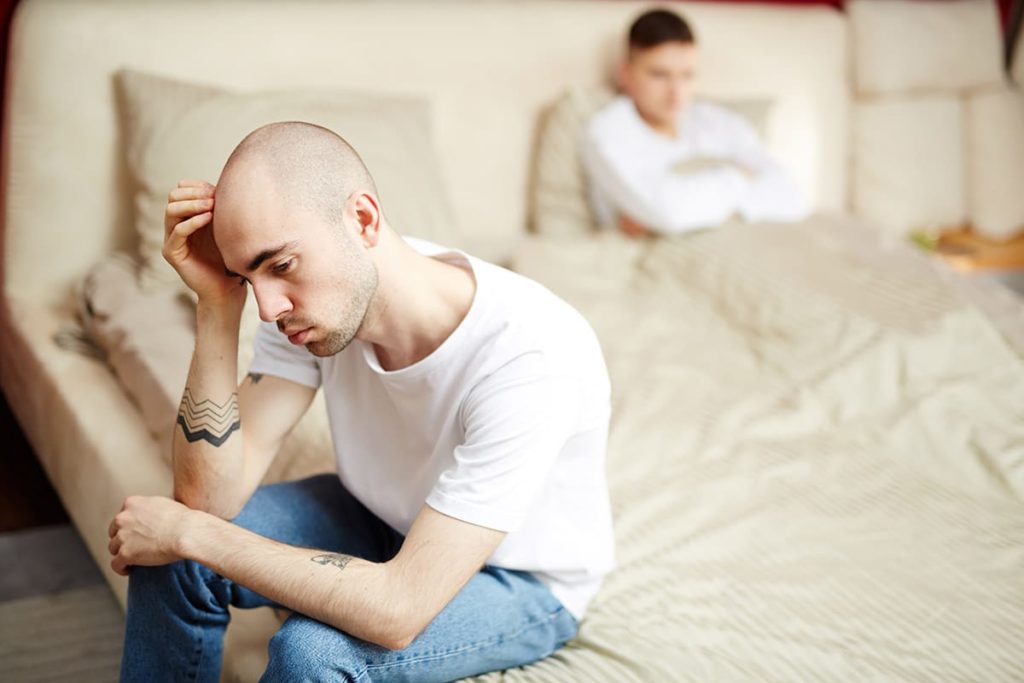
(838, 4)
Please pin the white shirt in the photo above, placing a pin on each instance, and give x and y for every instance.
(504, 425)
(641, 173)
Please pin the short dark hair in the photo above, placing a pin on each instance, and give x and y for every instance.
(659, 26)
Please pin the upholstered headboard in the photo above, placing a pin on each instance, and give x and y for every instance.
(489, 69)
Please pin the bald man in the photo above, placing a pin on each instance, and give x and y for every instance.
(468, 527)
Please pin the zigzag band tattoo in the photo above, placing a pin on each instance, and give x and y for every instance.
(206, 420)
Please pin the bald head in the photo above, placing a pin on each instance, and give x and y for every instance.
(305, 165)
(294, 215)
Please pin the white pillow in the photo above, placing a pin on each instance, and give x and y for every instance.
(908, 163)
(559, 198)
(901, 46)
(177, 130)
(995, 162)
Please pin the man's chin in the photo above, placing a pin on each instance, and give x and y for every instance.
(318, 349)
(671, 114)
(327, 347)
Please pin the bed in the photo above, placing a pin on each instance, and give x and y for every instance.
(816, 460)
(817, 445)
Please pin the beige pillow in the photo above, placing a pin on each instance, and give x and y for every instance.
(148, 338)
(559, 203)
(901, 46)
(559, 198)
(908, 163)
(177, 130)
(995, 162)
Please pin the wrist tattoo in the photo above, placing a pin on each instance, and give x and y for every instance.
(337, 559)
(206, 420)
(255, 377)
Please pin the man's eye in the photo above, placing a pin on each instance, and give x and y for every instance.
(283, 267)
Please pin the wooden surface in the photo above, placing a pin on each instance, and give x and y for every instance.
(967, 251)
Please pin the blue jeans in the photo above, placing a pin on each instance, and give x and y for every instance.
(177, 613)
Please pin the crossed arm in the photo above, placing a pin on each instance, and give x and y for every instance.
(694, 193)
(387, 603)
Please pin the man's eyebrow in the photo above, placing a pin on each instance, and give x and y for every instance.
(261, 257)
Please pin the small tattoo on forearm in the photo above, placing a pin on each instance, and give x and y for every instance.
(255, 377)
(338, 560)
(206, 420)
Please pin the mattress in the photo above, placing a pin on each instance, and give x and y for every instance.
(816, 461)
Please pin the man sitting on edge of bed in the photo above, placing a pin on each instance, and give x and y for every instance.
(469, 524)
(660, 162)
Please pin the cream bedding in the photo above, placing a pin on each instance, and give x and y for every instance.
(816, 462)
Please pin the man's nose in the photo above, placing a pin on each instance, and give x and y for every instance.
(271, 302)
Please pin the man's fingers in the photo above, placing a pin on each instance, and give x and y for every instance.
(187, 227)
(176, 211)
(114, 545)
(194, 182)
(188, 207)
(190, 192)
(180, 234)
(119, 566)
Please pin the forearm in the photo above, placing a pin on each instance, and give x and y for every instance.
(350, 594)
(772, 194)
(672, 199)
(774, 197)
(208, 457)
(702, 199)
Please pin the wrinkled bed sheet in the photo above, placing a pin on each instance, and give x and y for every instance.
(816, 461)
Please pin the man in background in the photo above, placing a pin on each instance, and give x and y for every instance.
(660, 162)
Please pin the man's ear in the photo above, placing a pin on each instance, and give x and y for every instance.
(365, 208)
(622, 80)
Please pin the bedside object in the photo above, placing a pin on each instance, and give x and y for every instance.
(967, 251)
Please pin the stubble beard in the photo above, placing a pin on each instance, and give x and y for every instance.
(336, 341)
(351, 318)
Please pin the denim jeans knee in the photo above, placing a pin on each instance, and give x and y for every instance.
(297, 653)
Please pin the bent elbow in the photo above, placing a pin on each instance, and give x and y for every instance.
(394, 633)
(393, 614)
(406, 628)
(398, 643)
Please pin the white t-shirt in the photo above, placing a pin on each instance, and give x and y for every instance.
(504, 425)
(638, 172)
